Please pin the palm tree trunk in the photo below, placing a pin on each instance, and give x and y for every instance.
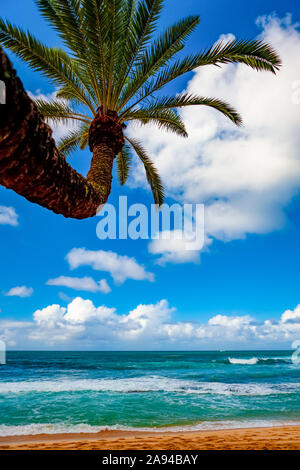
(31, 165)
(100, 174)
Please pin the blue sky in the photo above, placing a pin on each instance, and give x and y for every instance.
(249, 272)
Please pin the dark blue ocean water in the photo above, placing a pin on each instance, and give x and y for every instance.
(89, 391)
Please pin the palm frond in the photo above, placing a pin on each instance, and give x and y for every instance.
(74, 140)
(139, 33)
(126, 45)
(84, 139)
(188, 99)
(165, 119)
(58, 111)
(69, 27)
(118, 27)
(53, 63)
(123, 164)
(152, 175)
(69, 143)
(67, 93)
(48, 11)
(65, 16)
(144, 23)
(161, 51)
(255, 54)
(97, 31)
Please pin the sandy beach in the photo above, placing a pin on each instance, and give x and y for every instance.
(275, 438)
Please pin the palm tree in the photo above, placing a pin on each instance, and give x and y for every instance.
(109, 75)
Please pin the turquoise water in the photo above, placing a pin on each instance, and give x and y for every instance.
(89, 391)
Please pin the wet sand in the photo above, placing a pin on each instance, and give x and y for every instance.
(279, 438)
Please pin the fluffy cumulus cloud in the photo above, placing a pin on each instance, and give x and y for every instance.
(291, 316)
(81, 283)
(120, 267)
(21, 291)
(245, 176)
(83, 325)
(8, 216)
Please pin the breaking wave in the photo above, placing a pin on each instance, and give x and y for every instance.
(260, 360)
(66, 428)
(147, 385)
(253, 360)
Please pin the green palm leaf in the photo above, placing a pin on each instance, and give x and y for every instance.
(161, 51)
(115, 52)
(96, 28)
(69, 143)
(144, 24)
(165, 119)
(127, 42)
(140, 29)
(53, 63)
(74, 140)
(58, 111)
(123, 164)
(187, 99)
(67, 93)
(84, 139)
(66, 17)
(255, 54)
(152, 175)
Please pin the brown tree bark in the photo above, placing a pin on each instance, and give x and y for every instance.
(100, 174)
(31, 165)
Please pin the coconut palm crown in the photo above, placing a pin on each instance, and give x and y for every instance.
(113, 65)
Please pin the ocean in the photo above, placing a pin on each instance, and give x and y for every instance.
(53, 392)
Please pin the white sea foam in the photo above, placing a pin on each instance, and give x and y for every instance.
(256, 360)
(66, 428)
(147, 384)
(277, 358)
(253, 360)
(138, 384)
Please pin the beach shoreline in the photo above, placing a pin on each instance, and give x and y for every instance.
(262, 438)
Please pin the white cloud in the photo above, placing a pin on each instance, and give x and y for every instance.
(8, 216)
(120, 267)
(81, 283)
(171, 249)
(79, 311)
(245, 176)
(21, 291)
(49, 316)
(292, 316)
(173, 246)
(84, 311)
(146, 320)
(82, 325)
(230, 321)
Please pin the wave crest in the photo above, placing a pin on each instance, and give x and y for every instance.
(147, 385)
(67, 428)
(252, 361)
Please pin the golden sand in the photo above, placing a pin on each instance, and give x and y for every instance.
(285, 437)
